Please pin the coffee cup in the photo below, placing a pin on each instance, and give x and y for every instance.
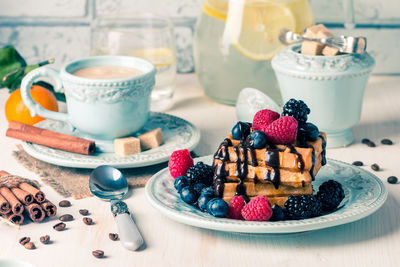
(103, 108)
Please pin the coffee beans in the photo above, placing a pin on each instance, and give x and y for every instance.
(66, 218)
(29, 245)
(386, 141)
(59, 226)
(87, 220)
(368, 142)
(24, 240)
(84, 212)
(98, 253)
(358, 163)
(64, 203)
(392, 180)
(375, 167)
(113, 236)
(45, 239)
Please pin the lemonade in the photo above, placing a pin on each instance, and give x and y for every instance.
(235, 41)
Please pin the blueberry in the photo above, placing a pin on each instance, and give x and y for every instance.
(241, 130)
(209, 189)
(307, 132)
(189, 195)
(203, 200)
(199, 187)
(180, 182)
(277, 214)
(257, 139)
(217, 207)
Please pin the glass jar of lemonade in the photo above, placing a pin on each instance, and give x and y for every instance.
(235, 41)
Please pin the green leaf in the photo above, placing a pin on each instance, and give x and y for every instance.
(10, 60)
(59, 96)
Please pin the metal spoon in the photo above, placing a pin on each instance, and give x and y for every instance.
(108, 183)
(345, 44)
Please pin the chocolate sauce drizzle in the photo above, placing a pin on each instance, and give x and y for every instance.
(323, 153)
(313, 163)
(220, 172)
(300, 161)
(272, 160)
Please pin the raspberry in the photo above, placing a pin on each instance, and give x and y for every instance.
(235, 209)
(263, 118)
(258, 209)
(282, 131)
(179, 162)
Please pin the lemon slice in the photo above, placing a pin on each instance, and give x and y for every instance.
(161, 56)
(216, 8)
(254, 26)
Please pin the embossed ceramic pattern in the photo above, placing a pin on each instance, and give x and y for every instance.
(333, 88)
(178, 134)
(365, 194)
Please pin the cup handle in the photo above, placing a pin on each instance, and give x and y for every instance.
(36, 108)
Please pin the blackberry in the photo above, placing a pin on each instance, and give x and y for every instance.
(330, 194)
(297, 109)
(302, 207)
(200, 173)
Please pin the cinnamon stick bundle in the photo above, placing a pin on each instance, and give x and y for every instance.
(14, 218)
(38, 195)
(22, 195)
(49, 208)
(4, 206)
(16, 206)
(49, 138)
(35, 212)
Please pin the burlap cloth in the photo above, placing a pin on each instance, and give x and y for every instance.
(75, 181)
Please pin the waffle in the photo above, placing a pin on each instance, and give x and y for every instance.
(276, 172)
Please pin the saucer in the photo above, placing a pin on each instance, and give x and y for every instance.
(364, 194)
(178, 134)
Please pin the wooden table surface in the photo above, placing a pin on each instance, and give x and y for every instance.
(373, 241)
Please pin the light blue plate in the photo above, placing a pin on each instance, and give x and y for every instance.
(365, 194)
(178, 134)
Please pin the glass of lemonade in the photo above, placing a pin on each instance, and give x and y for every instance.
(235, 41)
(146, 36)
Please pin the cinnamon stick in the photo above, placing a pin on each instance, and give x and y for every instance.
(35, 212)
(16, 206)
(14, 218)
(37, 194)
(4, 206)
(49, 208)
(49, 138)
(22, 195)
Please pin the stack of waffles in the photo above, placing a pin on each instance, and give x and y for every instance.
(277, 171)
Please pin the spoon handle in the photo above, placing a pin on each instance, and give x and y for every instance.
(128, 232)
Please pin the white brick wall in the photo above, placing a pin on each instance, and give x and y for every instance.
(42, 29)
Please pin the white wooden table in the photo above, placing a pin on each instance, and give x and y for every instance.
(373, 241)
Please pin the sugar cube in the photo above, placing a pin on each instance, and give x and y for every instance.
(151, 139)
(126, 146)
(330, 51)
(311, 48)
(318, 31)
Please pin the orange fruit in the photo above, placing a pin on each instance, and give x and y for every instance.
(16, 110)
